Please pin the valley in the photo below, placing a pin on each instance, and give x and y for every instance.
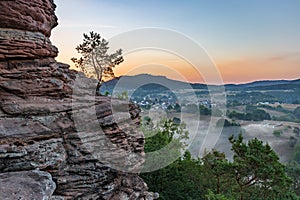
(267, 110)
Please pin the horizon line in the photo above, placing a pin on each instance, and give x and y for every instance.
(225, 83)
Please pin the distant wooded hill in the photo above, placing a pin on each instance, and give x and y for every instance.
(151, 82)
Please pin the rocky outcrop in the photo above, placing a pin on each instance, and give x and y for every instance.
(53, 130)
(18, 44)
(25, 28)
(33, 15)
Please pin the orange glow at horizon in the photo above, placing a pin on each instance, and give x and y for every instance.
(250, 69)
(239, 70)
(158, 63)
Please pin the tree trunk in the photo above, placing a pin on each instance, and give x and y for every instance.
(218, 185)
(98, 88)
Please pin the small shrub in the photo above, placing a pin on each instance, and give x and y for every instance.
(226, 123)
(106, 93)
(296, 131)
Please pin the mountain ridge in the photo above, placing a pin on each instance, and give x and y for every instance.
(129, 82)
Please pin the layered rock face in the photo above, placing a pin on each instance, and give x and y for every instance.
(57, 139)
(25, 28)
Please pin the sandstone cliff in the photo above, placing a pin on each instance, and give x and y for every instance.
(57, 142)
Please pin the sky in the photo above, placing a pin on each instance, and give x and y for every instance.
(245, 40)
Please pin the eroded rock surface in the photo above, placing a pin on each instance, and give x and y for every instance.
(53, 127)
(25, 28)
(34, 184)
(21, 44)
(33, 15)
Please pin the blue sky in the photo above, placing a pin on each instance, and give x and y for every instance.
(240, 36)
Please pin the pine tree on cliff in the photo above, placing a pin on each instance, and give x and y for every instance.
(96, 62)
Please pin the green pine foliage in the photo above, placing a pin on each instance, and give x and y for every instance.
(255, 172)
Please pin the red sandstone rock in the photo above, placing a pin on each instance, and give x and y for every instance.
(16, 44)
(50, 119)
(25, 28)
(37, 130)
(29, 15)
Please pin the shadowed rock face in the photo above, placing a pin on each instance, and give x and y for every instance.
(72, 138)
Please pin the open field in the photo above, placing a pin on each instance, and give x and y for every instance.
(290, 107)
(205, 135)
